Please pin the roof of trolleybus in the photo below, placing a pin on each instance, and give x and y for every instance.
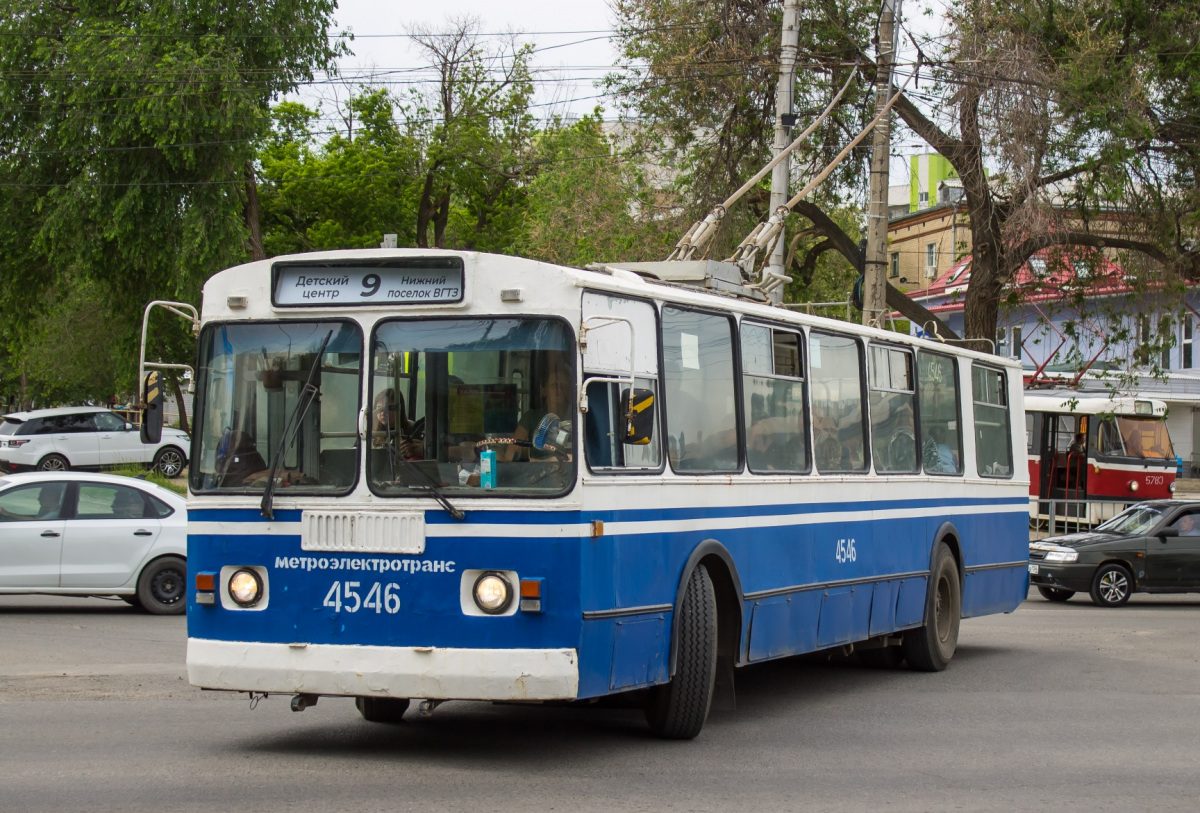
(1084, 403)
(506, 285)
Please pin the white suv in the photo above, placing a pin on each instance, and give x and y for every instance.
(84, 438)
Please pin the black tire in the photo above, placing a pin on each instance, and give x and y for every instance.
(1055, 593)
(381, 709)
(887, 657)
(1111, 586)
(677, 710)
(162, 587)
(930, 647)
(169, 461)
(53, 462)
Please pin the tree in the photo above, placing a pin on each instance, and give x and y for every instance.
(1100, 94)
(580, 205)
(475, 129)
(127, 139)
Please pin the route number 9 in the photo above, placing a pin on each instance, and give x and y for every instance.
(371, 283)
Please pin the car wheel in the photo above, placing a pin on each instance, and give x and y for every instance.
(677, 710)
(53, 462)
(169, 462)
(1111, 586)
(382, 709)
(1055, 593)
(162, 587)
(929, 647)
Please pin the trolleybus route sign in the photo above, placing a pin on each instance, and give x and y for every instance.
(341, 285)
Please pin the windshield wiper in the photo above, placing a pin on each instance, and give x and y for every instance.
(431, 487)
(290, 428)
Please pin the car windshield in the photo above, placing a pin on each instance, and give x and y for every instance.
(250, 379)
(471, 407)
(1136, 520)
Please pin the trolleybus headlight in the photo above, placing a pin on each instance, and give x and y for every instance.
(492, 593)
(245, 587)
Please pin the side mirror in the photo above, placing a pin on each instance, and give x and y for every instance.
(1167, 532)
(152, 409)
(637, 406)
(128, 426)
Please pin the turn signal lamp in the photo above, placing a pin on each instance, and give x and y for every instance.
(531, 595)
(206, 585)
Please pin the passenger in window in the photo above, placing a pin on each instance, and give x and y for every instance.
(127, 505)
(1078, 445)
(391, 428)
(938, 456)
(49, 504)
(535, 433)
(1187, 525)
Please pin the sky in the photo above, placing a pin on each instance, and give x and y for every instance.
(573, 38)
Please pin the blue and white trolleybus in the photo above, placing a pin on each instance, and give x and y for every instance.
(434, 475)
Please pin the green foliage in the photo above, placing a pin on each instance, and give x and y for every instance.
(149, 476)
(128, 131)
(587, 203)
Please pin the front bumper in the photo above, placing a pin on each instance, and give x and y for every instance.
(433, 673)
(1063, 576)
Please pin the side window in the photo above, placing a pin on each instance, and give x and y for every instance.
(893, 417)
(622, 338)
(43, 501)
(937, 397)
(699, 391)
(109, 502)
(1187, 524)
(773, 392)
(993, 452)
(839, 424)
(159, 508)
(78, 423)
(108, 422)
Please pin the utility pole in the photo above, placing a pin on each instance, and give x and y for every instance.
(784, 119)
(875, 261)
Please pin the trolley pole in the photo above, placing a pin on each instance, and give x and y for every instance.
(784, 119)
(875, 262)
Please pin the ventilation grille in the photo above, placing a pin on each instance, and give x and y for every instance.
(363, 532)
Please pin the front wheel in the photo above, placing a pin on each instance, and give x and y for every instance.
(381, 709)
(930, 647)
(677, 710)
(1055, 593)
(162, 587)
(1111, 586)
(169, 462)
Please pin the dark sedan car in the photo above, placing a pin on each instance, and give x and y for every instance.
(1152, 547)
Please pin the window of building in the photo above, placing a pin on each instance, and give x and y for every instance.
(922, 198)
(895, 264)
(1185, 343)
(1017, 339)
(930, 255)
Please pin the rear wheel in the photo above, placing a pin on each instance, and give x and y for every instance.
(53, 462)
(1055, 593)
(381, 709)
(169, 462)
(930, 647)
(677, 710)
(1111, 586)
(162, 587)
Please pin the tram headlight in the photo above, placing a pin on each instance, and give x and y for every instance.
(492, 593)
(1172, 487)
(1133, 485)
(245, 587)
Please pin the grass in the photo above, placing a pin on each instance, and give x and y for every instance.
(152, 477)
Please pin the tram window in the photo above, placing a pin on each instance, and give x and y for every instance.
(893, 419)
(993, 452)
(699, 391)
(839, 426)
(937, 397)
(773, 394)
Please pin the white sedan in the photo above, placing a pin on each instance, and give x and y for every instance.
(76, 534)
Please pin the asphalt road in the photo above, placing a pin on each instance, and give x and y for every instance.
(1057, 706)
